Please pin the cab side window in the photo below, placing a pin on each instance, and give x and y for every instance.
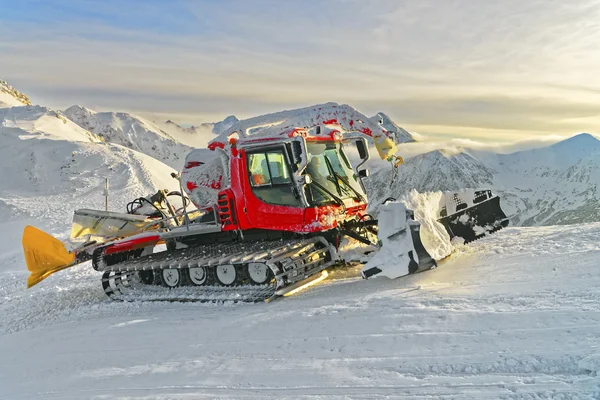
(270, 178)
(259, 172)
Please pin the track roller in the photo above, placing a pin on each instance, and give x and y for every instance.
(226, 274)
(170, 277)
(197, 276)
(258, 273)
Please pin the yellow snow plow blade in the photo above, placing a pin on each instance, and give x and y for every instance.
(44, 255)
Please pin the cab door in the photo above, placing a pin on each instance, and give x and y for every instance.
(272, 200)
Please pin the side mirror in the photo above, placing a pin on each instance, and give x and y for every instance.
(363, 173)
(307, 179)
(363, 151)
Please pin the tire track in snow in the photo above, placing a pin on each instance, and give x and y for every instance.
(508, 390)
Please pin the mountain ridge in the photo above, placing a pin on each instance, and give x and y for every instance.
(131, 131)
(9, 96)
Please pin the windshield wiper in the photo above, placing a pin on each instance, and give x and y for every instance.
(359, 196)
(337, 176)
(332, 172)
(333, 196)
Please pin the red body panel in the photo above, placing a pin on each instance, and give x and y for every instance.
(253, 213)
(258, 214)
(132, 244)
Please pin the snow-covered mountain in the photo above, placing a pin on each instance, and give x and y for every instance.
(557, 184)
(133, 132)
(439, 170)
(170, 142)
(214, 127)
(221, 126)
(10, 97)
(51, 166)
(197, 136)
(41, 122)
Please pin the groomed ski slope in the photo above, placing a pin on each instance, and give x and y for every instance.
(512, 316)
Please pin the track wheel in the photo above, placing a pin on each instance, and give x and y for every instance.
(258, 273)
(198, 276)
(170, 277)
(146, 277)
(226, 274)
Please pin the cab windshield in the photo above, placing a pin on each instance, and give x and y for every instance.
(331, 173)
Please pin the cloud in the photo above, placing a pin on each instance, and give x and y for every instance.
(410, 150)
(438, 67)
(495, 116)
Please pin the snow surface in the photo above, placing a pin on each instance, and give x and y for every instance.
(513, 316)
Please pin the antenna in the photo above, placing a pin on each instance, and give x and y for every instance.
(106, 195)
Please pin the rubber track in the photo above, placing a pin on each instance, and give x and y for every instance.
(289, 262)
(124, 286)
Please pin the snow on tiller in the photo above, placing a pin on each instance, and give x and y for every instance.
(475, 213)
(470, 214)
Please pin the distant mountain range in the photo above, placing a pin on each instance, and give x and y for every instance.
(51, 158)
(52, 166)
(213, 127)
(170, 142)
(131, 131)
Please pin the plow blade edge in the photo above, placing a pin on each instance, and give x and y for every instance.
(471, 214)
(44, 255)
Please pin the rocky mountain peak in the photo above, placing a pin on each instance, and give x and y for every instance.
(11, 96)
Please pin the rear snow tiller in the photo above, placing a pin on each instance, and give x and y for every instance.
(470, 214)
(272, 213)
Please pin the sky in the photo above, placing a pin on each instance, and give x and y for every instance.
(491, 71)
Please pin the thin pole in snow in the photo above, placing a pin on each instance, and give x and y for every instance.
(106, 195)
